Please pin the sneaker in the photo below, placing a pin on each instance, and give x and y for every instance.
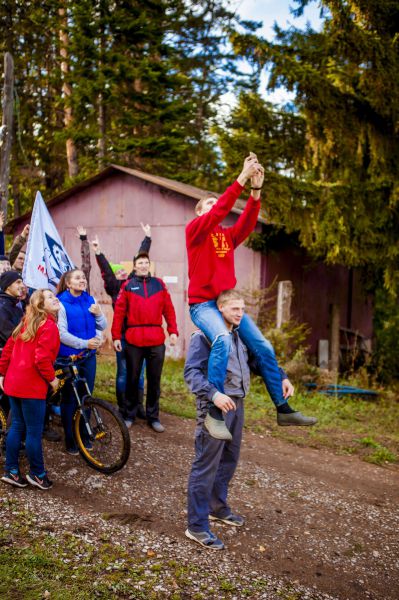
(128, 423)
(51, 435)
(157, 426)
(206, 539)
(42, 483)
(72, 451)
(295, 418)
(14, 479)
(231, 519)
(217, 429)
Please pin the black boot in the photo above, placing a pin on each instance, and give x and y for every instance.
(140, 407)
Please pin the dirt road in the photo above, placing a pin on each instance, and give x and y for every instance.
(327, 524)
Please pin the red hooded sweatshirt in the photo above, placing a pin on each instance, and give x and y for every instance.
(28, 366)
(210, 247)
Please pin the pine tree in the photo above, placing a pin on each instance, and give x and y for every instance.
(139, 83)
(343, 194)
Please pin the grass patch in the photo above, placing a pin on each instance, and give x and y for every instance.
(347, 425)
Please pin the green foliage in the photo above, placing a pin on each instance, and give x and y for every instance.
(288, 341)
(336, 184)
(386, 326)
(141, 82)
(379, 454)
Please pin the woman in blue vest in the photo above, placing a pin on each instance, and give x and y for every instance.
(80, 322)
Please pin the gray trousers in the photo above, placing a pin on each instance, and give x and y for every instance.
(212, 470)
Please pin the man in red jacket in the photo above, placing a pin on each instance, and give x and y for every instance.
(210, 249)
(140, 306)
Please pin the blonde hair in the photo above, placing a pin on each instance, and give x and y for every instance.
(228, 295)
(200, 202)
(35, 316)
(65, 279)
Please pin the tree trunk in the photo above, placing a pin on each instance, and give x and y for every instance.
(73, 167)
(101, 119)
(101, 131)
(6, 131)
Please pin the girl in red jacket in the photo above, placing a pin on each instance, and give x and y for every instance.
(26, 371)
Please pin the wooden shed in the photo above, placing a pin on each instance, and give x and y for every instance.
(112, 204)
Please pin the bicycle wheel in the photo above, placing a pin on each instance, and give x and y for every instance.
(108, 447)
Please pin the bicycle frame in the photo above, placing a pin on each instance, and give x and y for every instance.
(71, 373)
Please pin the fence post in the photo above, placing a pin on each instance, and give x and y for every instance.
(284, 298)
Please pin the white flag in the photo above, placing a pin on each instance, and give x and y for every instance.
(46, 258)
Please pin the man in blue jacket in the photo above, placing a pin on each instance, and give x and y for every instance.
(216, 460)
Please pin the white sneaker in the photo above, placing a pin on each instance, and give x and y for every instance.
(157, 426)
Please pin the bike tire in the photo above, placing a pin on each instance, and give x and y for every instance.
(111, 441)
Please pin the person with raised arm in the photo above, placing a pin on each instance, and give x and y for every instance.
(210, 250)
(114, 276)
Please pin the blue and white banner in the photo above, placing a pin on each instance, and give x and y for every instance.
(46, 258)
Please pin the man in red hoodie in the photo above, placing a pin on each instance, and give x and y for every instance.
(210, 249)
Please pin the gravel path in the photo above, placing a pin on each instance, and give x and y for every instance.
(318, 526)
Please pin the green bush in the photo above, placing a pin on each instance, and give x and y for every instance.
(386, 328)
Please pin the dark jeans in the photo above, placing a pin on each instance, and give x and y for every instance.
(87, 369)
(121, 375)
(135, 356)
(27, 417)
(212, 470)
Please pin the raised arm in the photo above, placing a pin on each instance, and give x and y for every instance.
(146, 243)
(246, 222)
(85, 254)
(111, 284)
(199, 228)
(18, 243)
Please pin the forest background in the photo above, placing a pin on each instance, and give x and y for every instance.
(142, 84)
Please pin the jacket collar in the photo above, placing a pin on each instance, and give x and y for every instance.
(141, 277)
(9, 298)
(67, 297)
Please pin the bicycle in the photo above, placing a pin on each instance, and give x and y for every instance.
(101, 434)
